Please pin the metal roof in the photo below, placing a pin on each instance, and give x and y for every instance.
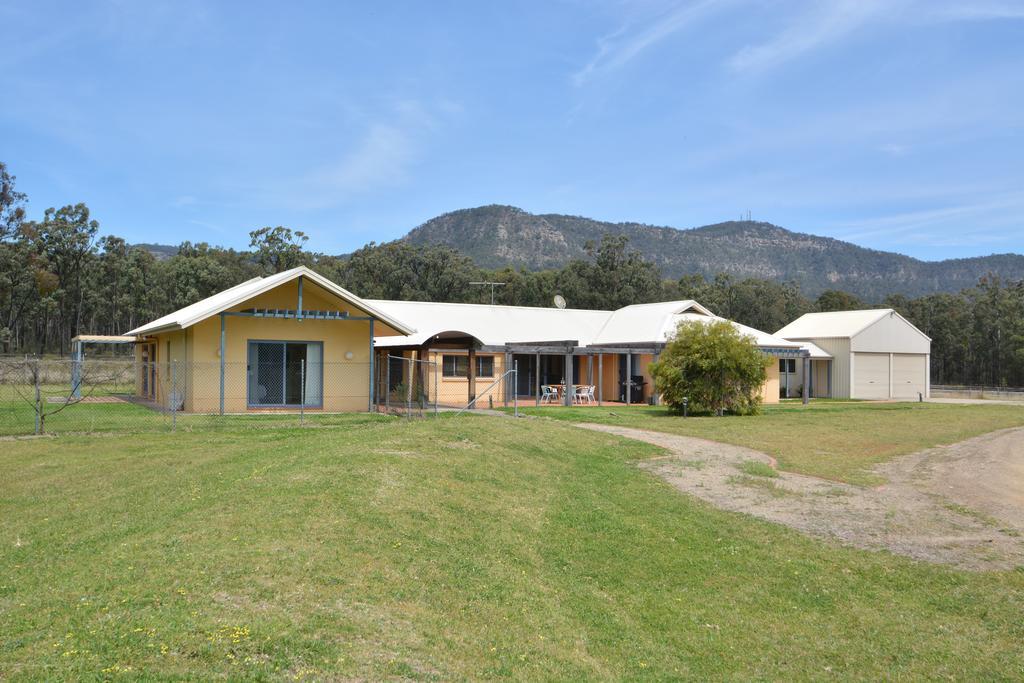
(838, 324)
(814, 350)
(500, 325)
(222, 301)
(490, 325)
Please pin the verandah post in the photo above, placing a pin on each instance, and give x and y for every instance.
(629, 378)
(568, 379)
(369, 406)
(171, 396)
(536, 379)
(600, 377)
(222, 336)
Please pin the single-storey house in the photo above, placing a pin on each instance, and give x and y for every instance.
(297, 339)
(277, 342)
(473, 344)
(875, 354)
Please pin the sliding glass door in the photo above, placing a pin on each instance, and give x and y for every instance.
(284, 374)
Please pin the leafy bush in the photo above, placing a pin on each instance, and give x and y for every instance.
(713, 366)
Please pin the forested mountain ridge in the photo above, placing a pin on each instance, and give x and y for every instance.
(495, 236)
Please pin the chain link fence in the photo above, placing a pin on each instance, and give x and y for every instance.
(45, 396)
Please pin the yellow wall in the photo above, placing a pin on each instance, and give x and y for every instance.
(346, 382)
(770, 391)
(455, 390)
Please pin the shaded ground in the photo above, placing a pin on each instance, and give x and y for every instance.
(960, 504)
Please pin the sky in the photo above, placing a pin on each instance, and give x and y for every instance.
(893, 124)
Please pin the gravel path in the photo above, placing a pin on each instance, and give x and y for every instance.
(961, 505)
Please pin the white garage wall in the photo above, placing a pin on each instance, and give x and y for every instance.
(890, 334)
(909, 375)
(870, 375)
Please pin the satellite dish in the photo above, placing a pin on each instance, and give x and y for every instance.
(559, 301)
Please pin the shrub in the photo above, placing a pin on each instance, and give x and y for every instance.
(714, 366)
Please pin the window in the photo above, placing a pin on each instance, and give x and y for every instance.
(787, 365)
(284, 374)
(455, 366)
(458, 366)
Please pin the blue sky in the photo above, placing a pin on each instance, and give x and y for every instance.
(895, 124)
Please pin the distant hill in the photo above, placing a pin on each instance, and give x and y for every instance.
(160, 251)
(495, 236)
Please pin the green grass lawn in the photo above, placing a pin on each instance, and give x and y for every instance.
(830, 439)
(450, 548)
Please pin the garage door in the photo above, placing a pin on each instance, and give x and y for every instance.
(871, 375)
(909, 374)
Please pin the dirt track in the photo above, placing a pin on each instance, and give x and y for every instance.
(961, 504)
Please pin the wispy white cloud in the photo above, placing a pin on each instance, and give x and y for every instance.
(824, 25)
(622, 46)
(922, 226)
(894, 149)
(383, 156)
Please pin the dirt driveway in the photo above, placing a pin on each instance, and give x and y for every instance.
(961, 504)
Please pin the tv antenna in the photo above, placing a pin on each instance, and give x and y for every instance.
(492, 286)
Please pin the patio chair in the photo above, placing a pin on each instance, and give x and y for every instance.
(579, 394)
(589, 394)
(549, 394)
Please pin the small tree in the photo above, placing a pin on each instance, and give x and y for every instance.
(713, 366)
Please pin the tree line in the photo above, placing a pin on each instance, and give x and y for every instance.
(59, 278)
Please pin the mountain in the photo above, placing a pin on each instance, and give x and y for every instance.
(495, 236)
(160, 251)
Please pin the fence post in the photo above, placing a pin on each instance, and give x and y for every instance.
(173, 391)
(515, 389)
(436, 397)
(387, 384)
(408, 389)
(39, 403)
(302, 391)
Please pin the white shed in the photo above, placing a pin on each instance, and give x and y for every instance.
(877, 354)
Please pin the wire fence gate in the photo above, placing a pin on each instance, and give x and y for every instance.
(407, 386)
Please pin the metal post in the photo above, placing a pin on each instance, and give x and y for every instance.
(39, 398)
(536, 380)
(600, 377)
(76, 370)
(408, 390)
(222, 336)
(515, 394)
(629, 379)
(302, 380)
(435, 385)
(568, 380)
(387, 384)
(174, 389)
(508, 362)
(472, 375)
(807, 385)
(369, 406)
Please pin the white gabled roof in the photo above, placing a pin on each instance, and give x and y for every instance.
(840, 324)
(762, 339)
(642, 323)
(222, 301)
(500, 325)
(491, 325)
(814, 350)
